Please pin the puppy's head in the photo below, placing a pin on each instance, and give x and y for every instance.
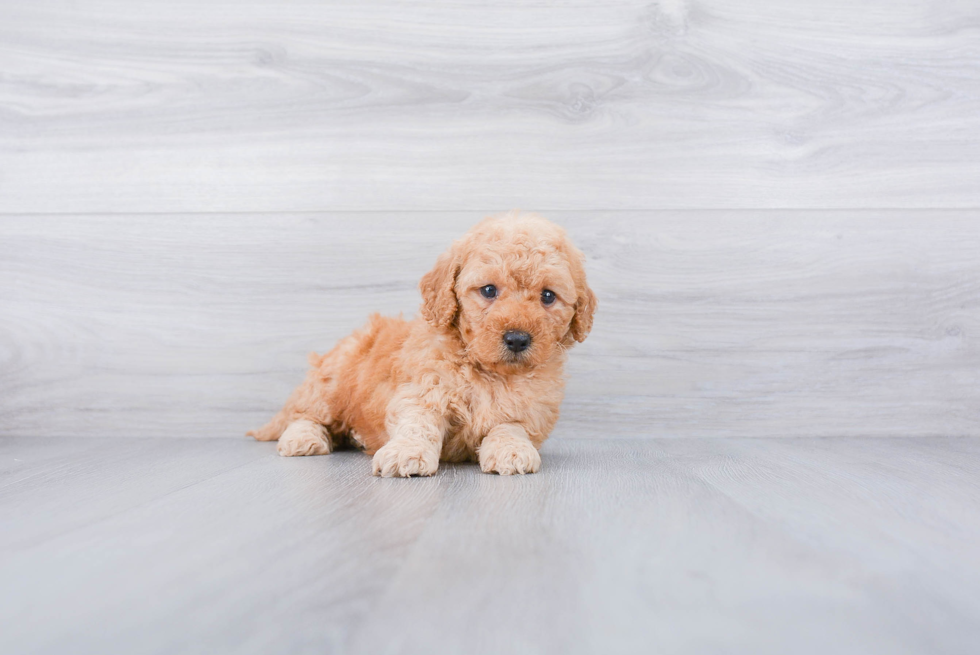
(514, 289)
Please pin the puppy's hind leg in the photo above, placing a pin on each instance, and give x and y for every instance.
(300, 427)
(305, 437)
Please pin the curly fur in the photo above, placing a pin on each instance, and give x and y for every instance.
(444, 386)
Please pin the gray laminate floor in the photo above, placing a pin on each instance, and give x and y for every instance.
(844, 545)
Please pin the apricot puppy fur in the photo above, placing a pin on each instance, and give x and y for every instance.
(478, 376)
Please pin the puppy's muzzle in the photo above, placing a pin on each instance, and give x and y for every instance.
(517, 341)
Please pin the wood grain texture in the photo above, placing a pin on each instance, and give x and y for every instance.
(710, 323)
(181, 106)
(846, 545)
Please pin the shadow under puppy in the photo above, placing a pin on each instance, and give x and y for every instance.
(478, 376)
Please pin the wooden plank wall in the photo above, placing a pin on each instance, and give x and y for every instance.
(778, 201)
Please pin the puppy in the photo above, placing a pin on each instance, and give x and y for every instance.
(478, 376)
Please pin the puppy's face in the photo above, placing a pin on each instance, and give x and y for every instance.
(514, 289)
(514, 308)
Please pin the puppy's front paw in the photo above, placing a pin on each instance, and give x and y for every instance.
(404, 458)
(509, 456)
(304, 437)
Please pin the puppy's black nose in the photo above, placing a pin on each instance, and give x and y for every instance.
(516, 341)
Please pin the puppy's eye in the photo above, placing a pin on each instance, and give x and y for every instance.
(548, 296)
(488, 291)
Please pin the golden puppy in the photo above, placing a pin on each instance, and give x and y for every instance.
(477, 377)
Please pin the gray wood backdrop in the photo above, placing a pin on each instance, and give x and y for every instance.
(778, 201)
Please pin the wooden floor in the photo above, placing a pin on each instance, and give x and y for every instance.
(845, 545)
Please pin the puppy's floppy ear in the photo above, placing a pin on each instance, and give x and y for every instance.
(439, 303)
(585, 301)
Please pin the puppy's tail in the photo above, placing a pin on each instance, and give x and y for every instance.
(272, 430)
